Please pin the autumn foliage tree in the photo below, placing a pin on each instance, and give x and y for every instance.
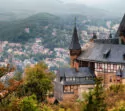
(94, 100)
(37, 80)
(12, 85)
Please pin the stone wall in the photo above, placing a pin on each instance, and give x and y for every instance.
(108, 78)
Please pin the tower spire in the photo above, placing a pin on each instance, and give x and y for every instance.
(75, 41)
(75, 48)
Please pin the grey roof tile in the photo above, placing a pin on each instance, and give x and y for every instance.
(94, 52)
(71, 72)
(83, 72)
(85, 82)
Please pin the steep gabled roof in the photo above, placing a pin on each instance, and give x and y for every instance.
(95, 51)
(75, 41)
(121, 27)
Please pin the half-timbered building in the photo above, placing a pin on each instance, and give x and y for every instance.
(103, 58)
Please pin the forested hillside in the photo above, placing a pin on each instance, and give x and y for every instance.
(55, 31)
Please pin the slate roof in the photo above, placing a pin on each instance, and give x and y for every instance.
(94, 52)
(85, 82)
(75, 41)
(71, 72)
(121, 27)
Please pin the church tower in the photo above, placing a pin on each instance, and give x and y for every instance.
(74, 48)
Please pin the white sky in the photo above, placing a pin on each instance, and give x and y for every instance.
(88, 2)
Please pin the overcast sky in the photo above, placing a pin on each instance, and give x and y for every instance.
(87, 2)
(116, 6)
(95, 2)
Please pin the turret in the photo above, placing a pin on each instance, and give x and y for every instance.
(74, 48)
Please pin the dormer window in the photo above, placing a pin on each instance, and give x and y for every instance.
(106, 53)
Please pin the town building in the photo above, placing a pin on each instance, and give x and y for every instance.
(103, 58)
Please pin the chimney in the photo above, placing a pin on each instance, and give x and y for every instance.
(76, 65)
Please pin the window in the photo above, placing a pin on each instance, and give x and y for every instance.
(91, 78)
(82, 79)
(115, 67)
(69, 89)
(95, 65)
(104, 67)
(106, 53)
(87, 78)
(73, 79)
(69, 79)
(77, 79)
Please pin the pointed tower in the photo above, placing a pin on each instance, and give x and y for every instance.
(121, 31)
(74, 48)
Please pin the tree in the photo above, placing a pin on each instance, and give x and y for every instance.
(29, 104)
(5, 70)
(95, 98)
(120, 106)
(11, 86)
(37, 80)
(46, 108)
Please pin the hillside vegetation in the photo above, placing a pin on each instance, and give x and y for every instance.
(55, 31)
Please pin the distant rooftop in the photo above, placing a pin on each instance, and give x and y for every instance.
(107, 41)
